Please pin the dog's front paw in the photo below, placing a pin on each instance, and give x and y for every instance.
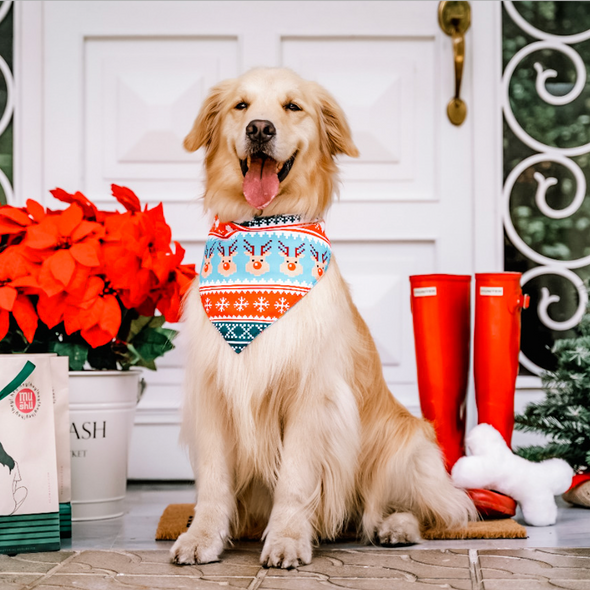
(399, 528)
(285, 552)
(190, 549)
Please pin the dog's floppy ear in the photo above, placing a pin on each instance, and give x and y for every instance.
(336, 136)
(206, 122)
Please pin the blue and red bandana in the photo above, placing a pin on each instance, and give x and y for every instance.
(255, 271)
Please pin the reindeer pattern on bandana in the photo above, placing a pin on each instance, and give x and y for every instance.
(254, 272)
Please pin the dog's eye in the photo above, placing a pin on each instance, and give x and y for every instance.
(241, 106)
(291, 106)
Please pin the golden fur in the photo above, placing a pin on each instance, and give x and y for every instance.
(298, 436)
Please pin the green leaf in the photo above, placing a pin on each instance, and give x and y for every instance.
(102, 358)
(152, 343)
(78, 353)
(142, 322)
(14, 341)
(147, 364)
(147, 341)
(126, 355)
(138, 361)
(157, 321)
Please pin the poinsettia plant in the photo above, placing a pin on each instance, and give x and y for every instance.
(88, 283)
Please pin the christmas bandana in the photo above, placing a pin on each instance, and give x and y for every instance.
(254, 272)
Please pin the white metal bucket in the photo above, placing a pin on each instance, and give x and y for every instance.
(102, 410)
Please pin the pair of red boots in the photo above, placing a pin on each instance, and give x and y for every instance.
(441, 310)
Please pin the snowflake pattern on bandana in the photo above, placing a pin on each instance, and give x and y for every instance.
(255, 271)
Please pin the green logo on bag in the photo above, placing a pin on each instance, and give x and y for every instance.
(25, 401)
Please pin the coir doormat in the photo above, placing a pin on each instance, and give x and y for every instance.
(177, 518)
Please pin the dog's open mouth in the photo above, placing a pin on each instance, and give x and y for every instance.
(262, 176)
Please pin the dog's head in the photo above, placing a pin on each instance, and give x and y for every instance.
(270, 138)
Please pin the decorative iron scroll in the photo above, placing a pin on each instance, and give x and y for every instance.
(546, 156)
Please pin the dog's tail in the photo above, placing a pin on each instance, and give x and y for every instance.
(438, 503)
(413, 479)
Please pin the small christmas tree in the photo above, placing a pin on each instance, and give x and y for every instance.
(564, 415)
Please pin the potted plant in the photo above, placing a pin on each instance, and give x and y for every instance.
(563, 416)
(96, 286)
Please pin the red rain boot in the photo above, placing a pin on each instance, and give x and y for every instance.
(498, 303)
(441, 316)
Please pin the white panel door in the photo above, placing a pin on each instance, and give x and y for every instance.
(121, 82)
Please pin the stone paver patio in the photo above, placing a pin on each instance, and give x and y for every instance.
(122, 554)
(364, 569)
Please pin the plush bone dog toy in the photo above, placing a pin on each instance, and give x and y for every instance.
(492, 465)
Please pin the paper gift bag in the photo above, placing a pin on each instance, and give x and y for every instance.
(59, 377)
(29, 501)
(60, 387)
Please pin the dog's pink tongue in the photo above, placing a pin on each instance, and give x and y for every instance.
(261, 183)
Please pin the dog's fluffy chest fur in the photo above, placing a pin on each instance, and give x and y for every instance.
(280, 375)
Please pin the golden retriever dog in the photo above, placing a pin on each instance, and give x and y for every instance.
(297, 436)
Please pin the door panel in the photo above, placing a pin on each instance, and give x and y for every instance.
(387, 89)
(139, 103)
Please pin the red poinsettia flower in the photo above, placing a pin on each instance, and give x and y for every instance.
(88, 207)
(179, 280)
(86, 272)
(151, 242)
(13, 220)
(171, 303)
(36, 210)
(68, 246)
(99, 316)
(63, 306)
(51, 310)
(123, 269)
(15, 284)
(136, 252)
(126, 197)
(95, 312)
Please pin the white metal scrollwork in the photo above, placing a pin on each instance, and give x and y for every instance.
(9, 108)
(560, 156)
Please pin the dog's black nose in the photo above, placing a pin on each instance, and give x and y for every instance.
(260, 131)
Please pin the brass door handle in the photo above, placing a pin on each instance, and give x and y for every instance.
(454, 19)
